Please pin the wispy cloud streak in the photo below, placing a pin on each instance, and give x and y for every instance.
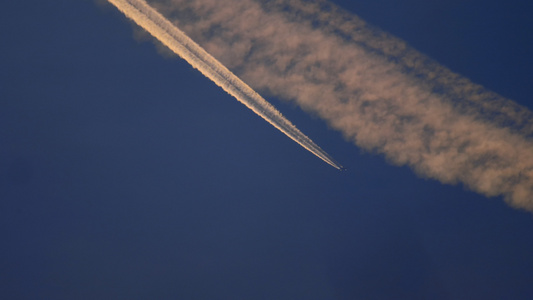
(380, 93)
(168, 34)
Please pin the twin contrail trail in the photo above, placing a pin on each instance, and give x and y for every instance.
(380, 93)
(173, 38)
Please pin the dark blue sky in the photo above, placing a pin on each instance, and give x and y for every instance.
(127, 175)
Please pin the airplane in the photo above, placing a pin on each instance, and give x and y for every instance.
(343, 169)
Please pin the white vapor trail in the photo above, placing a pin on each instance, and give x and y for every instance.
(381, 94)
(177, 41)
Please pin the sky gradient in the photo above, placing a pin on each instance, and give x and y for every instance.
(128, 175)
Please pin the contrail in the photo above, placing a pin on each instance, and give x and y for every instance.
(380, 93)
(168, 34)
